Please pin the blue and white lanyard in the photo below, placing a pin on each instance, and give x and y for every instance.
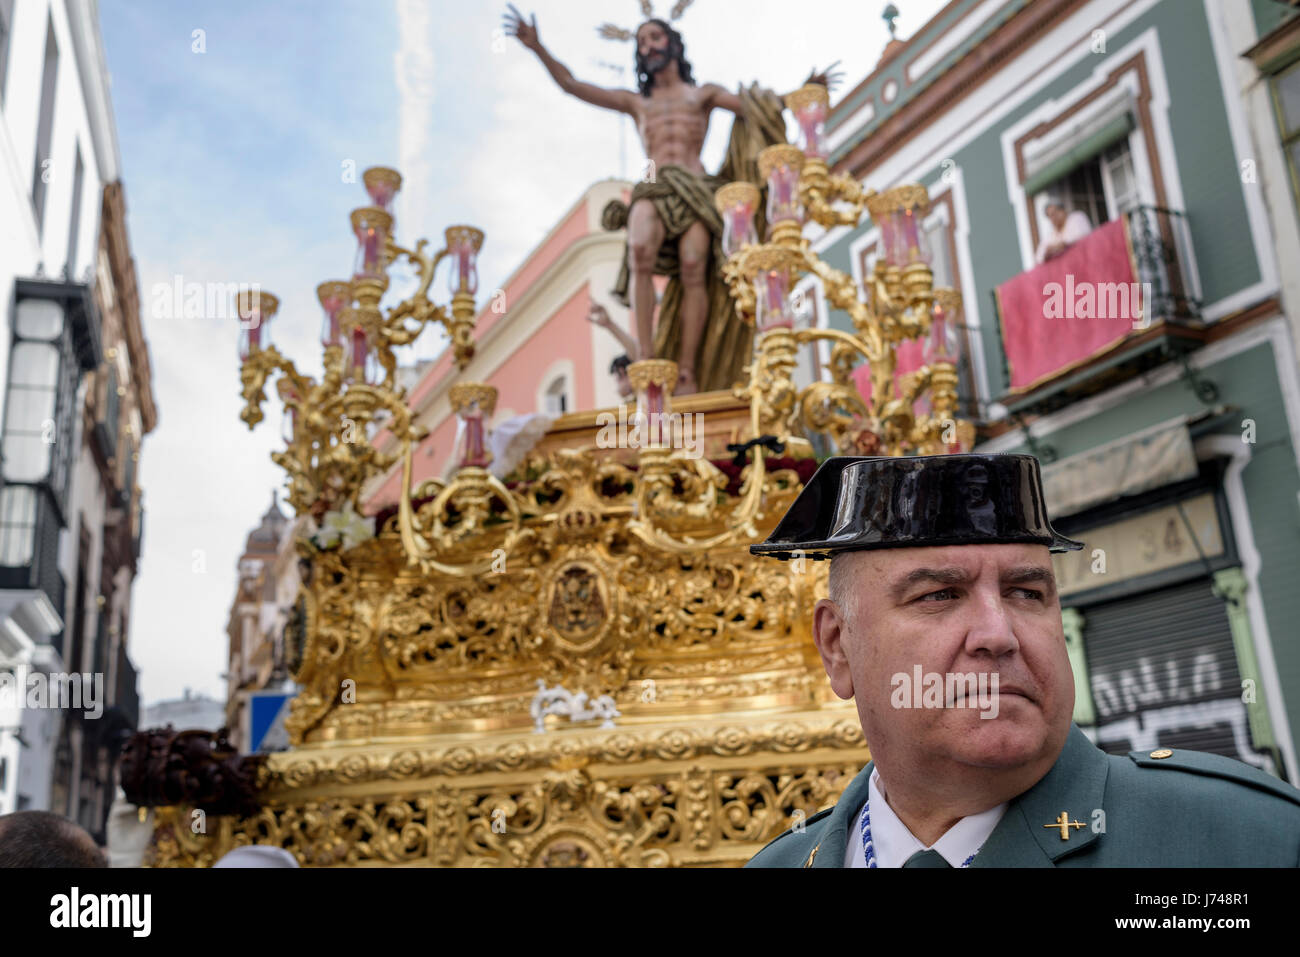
(869, 851)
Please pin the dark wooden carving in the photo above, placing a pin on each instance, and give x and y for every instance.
(198, 769)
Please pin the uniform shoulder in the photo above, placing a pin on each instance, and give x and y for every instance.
(791, 847)
(1184, 762)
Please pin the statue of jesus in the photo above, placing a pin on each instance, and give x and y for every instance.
(673, 227)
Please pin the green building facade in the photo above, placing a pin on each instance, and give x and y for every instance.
(1174, 453)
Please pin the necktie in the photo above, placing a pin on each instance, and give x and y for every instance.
(926, 859)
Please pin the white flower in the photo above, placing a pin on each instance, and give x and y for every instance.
(359, 529)
(344, 527)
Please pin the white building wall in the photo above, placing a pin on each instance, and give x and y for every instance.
(192, 711)
(82, 117)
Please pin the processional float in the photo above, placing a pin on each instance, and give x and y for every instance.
(421, 635)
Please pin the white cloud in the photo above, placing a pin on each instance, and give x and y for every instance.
(415, 70)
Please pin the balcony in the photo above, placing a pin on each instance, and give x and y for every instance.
(1116, 303)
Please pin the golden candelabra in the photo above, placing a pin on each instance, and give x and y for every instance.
(901, 305)
(328, 456)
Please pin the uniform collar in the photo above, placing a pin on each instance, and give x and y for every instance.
(893, 843)
(1075, 784)
(1029, 835)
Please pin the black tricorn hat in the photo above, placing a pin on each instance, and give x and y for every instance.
(854, 503)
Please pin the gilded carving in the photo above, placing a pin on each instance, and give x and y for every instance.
(586, 801)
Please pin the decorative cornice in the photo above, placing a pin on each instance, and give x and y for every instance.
(329, 766)
(954, 84)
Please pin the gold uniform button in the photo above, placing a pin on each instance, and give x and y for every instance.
(1162, 753)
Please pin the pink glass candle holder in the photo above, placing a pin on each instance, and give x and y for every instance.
(772, 300)
(780, 166)
(898, 213)
(372, 227)
(811, 105)
(463, 245)
(737, 202)
(654, 380)
(254, 309)
(289, 421)
(333, 296)
(943, 344)
(382, 185)
(474, 404)
(916, 244)
(363, 364)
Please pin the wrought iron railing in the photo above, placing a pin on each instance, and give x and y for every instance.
(1162, 244)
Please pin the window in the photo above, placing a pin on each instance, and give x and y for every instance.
(1286, 98)
(74, 227)
(37, 440)
(6, 29)
(129, 456)
(1082, 189)
(1119, 179)
(38, 421)
(109, 406)
(1104, 187)
(29, 420)
(557, 396)
(29, 428)
(76, 635)
(17, 525)
(45, 127)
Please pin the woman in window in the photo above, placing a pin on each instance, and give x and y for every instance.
(1062, 230)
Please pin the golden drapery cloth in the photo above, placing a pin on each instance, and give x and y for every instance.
(682, 197)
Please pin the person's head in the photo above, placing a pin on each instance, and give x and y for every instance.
(658, 47)
(943, 621)
(896, 615)
(257, 855)
(618, 369)
(43, 839)
(1055, 211)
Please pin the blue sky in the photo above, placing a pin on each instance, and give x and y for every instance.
(233, 163)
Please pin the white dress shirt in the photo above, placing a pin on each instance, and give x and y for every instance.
(893, 843)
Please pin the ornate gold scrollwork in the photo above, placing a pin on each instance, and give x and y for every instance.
(573, 802)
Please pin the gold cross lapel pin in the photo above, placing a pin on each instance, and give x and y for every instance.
(1064, 823)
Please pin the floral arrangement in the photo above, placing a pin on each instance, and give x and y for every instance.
(343, 528)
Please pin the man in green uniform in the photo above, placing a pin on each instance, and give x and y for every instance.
(944, 626)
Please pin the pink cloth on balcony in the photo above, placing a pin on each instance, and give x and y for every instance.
(1072, 308)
